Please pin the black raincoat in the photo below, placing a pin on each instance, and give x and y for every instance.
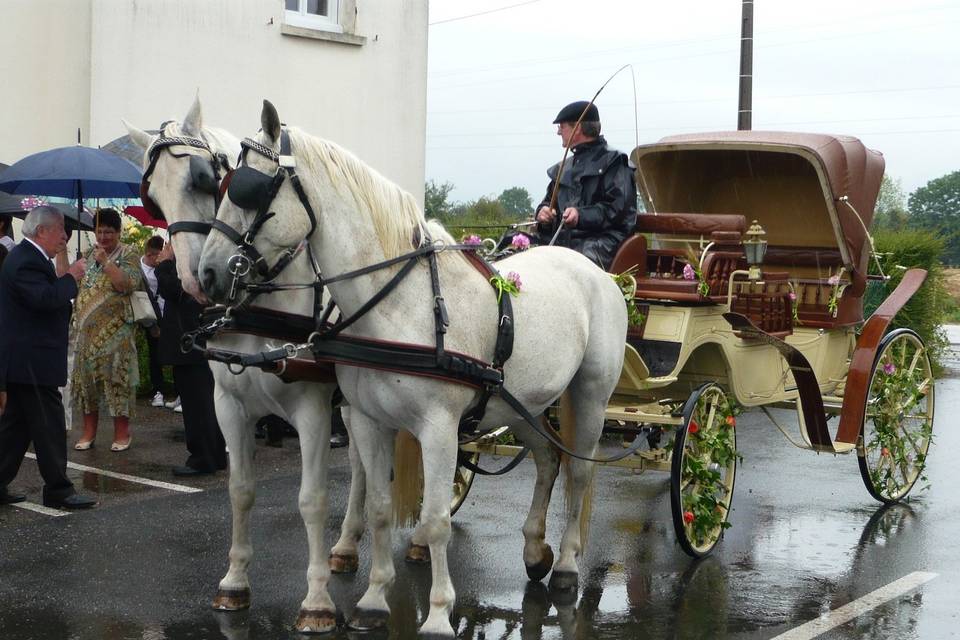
(598, 181)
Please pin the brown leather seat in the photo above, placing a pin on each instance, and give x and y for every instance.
(632, 253)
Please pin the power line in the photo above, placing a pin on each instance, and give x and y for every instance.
(671, 43)
(554, 146)
(702, 100)
(766, 125)
(567, 71)
(482, 13)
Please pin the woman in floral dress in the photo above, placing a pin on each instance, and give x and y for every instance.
(105, 370)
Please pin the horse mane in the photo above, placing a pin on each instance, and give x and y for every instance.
(396, 216)
(220, 140)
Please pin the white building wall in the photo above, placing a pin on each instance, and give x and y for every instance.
(146, 59)
(44, 75)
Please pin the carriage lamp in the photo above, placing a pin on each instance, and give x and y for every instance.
(755, 247)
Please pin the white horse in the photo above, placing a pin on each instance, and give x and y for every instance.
(570, 321)
(242, 399)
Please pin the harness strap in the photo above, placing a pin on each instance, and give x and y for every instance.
(546, 434)
(373, 301)
(463, 459)
(194, 226)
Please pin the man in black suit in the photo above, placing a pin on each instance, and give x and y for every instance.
(35, 307)
(191, 373)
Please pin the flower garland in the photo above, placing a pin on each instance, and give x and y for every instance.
(510, 284)
(704, 510)
(897, 391)
(628, 286)
(836, 292)
(691, 272)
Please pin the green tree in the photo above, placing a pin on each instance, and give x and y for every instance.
(891, 210)
(935, 207)
(516, 201)
(435, 203)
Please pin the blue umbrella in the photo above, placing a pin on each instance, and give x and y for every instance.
(75, 172)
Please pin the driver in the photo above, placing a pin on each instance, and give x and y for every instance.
(597, 198)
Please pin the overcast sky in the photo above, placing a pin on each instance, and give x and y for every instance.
(887, 72)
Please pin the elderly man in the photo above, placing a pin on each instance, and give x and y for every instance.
(34, 317)
(597, 198)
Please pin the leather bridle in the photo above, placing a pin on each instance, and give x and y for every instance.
(253, 190)
(205, 176)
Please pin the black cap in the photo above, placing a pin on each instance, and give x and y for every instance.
(571, 112)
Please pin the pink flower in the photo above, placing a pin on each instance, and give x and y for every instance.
(31, 202)
(834, 280)
(689, 273)
(514, 277)
(792, 296)
(889, 368)
(520, 242)
(472, 240)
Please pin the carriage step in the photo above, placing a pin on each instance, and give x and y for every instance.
(836, 447)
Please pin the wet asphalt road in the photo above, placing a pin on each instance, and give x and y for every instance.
(806, 539)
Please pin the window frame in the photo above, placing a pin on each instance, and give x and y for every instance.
(301, 18)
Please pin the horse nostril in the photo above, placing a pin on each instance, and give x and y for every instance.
(208, 280)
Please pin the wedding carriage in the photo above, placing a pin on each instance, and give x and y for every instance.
(750, 267)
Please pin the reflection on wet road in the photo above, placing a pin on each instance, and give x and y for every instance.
(806, 539)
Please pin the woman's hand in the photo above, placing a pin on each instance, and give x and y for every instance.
(99, 255)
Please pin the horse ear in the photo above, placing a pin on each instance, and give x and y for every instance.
(193, 123)
(141, 138)
(270, 120)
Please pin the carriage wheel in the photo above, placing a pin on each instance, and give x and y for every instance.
(703, 469)
(898, 423)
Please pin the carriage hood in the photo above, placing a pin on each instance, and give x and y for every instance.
(797, 185)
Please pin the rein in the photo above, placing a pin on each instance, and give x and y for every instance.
(327, 344)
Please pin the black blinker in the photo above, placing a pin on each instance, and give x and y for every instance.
(202, 175)
(250, 189)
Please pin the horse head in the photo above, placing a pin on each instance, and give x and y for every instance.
(263, 218)
(183, 166)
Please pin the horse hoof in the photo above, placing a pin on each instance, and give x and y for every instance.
(418, 554)
(340, 563)
(539, 571)
(368, 620)
(316, 621)
(564, 581)
(232, 599)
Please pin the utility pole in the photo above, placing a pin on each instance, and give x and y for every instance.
(745, 112)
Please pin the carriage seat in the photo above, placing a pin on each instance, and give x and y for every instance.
(659, 271)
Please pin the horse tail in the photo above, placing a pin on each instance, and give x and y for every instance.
(407, 480)
(568, 433)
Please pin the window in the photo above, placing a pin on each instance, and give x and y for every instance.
(314, 14)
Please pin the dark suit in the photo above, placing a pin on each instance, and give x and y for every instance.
(35, 313)
(191, 372)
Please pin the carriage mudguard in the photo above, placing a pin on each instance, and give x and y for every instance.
(861, 365)
(811, 400)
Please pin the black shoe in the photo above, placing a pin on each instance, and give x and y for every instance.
(9, 498)
(186, 471)
(76, 501)
(338, 440)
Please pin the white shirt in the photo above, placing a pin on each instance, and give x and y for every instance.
(39, 248)
(149, 274)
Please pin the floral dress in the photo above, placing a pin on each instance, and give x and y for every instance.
(105, 362)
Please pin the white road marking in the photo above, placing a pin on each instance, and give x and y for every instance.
(39, 508)
(123, 476)
(858, 607)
